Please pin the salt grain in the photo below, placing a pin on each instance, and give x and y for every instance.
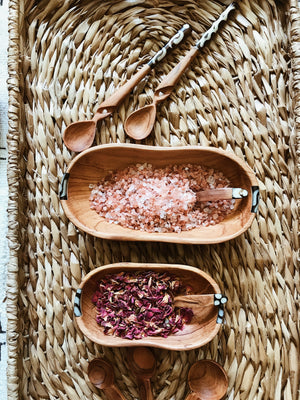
(160, 199)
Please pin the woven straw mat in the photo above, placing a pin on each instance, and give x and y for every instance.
(240, 94)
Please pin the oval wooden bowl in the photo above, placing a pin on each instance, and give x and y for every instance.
(193, 335)
(91, 165)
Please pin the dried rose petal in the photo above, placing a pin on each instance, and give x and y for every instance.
(138, 304)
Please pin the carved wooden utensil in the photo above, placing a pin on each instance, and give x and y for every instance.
(80, 135)
(197, 301)
(139, 124)
(207, 380)
(101, 375)
(221, 194)
(202, 304)
(143, 364)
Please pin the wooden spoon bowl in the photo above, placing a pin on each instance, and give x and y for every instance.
(208, 380)
(142, 362)
(101, 375)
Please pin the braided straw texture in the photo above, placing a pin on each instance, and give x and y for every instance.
(240, 94)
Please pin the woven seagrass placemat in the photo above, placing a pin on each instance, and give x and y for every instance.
(240, 94)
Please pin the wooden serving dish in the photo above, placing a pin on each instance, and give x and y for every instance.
(92, 164)
(193, 335)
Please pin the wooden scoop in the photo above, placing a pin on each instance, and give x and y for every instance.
(197, 301)
(80, 135)
(221, 194)
(101, 375)
(207, 380)
(139, 124)
(143, 364)
(202, 305)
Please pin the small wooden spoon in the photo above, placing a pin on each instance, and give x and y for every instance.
(101, 375)
(207, 380)
(197, 301)
(143, 364)
(202, 305)
(139, 124)
(80, 135)
(221, 194)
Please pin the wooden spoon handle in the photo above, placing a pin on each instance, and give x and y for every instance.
(174, 41)
(221, 194)
(165, 88)
(145, 389)
(215, 26)
(113, 393)
(109, 105)
(202, 300)
(193, 396)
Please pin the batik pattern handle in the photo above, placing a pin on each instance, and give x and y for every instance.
(215, 26)
(174, 41)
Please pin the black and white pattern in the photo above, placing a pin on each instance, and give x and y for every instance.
(220, 299)
(215, 26)
(174, 41)
(77, 304)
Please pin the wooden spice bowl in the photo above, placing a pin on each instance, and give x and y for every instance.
(93, 164)
(195, 334)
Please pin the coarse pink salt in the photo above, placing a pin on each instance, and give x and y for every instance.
(160, 199)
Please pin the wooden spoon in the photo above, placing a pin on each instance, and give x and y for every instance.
(197, 301)
(202, 305)
(139, 124)
(101, 375)
(221, 194)
(80, 135)
(207, 380)
(143, 364)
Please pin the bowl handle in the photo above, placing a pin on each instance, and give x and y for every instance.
(255, 198)
(77, 303)
(63, 191)
(220, 316)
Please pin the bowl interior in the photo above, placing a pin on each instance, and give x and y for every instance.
(193, 335)
(90, 166)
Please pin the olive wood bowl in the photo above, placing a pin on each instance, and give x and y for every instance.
(89, 166)
(195, 334)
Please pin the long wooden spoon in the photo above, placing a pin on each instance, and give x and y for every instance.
(143, 365)
(139, 124)
(80, 135)
(101, 375)
(207, 380)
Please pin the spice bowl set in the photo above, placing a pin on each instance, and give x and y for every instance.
(201, 309)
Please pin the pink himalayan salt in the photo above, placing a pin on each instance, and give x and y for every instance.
(160, 199)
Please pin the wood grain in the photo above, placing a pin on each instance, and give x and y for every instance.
(91, 165)
(192, 336)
